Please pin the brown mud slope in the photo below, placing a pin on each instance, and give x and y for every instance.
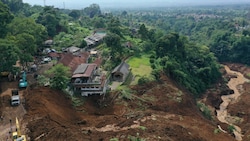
(241, 109)
(240, 68)
(161, 112)
(50, 115)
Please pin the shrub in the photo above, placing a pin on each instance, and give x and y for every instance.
(114, 139)
(216, 131)
(143, 80)
(205, 110)
(231, 128)
(137, 138)
(126, 95)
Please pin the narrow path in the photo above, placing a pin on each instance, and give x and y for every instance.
(222, 113)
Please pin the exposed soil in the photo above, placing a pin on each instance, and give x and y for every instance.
(238, 109)
(236, 85)
(241, 110)
(240, 68)
(156, 111)
(162, 113)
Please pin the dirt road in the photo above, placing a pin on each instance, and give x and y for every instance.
(9, 113)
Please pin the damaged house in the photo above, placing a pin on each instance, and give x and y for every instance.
(87, 80)
(95, 39)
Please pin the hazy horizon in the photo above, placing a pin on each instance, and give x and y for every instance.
(78, 4)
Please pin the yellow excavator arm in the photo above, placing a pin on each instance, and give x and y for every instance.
(17, 136)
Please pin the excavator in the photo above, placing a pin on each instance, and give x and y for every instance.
(17, 136)
(23, 82)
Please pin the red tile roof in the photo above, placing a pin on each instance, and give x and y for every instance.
(54, 54)
(90, 69)
(87, 73)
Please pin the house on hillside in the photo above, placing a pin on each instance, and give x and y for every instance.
(120, 72)
(73, 50)
(94, 39)
(87, 80)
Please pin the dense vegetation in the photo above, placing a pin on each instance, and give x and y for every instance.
(183, 43)
(224, 29)
(191, 65)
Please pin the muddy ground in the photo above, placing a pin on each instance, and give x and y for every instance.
(238, 109)
(156, 111)
(241, 109)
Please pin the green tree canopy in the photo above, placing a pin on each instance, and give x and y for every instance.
(92, 10)
(83, 44)
(5, 18)
(143, 31)
(113, 41)
(124, 13)
(99, 22)
(191, 65)
(50, 18)
(241, 51)
(59, 76)
(246, 32)
(114, 26)
(26, 44)
(14, 5)
(75, 14)
(9, 55)
(22, 25)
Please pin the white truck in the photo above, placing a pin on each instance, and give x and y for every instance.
(15, 98)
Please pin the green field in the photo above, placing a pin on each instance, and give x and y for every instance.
(140, 67)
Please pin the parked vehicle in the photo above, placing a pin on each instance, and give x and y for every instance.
(45, 60)
(15, 98)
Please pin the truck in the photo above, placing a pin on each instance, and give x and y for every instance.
(15, 98)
